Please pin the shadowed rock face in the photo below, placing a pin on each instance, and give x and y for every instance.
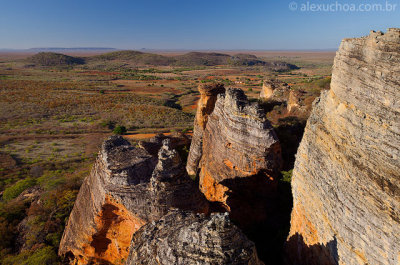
(185, 238)
(346, 180)
(239, 156)
(127, 188)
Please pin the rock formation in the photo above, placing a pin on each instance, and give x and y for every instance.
(208, 97)
(185, 238)
(274, 90)
(127, 188)
(295, 100)
(239, 155)
(346, 180)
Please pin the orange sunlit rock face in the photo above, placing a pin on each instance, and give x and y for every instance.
(127, 188)
(115, 226)
(213, 191)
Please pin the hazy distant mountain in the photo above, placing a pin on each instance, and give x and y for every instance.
(77, 49)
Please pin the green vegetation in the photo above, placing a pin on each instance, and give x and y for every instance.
(287, 176)
(41, 256)
(119, 130)
(16, 189)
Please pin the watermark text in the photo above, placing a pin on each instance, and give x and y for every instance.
(342, 7)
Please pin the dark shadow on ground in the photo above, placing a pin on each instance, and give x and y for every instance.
(299, 253)
(261, 207)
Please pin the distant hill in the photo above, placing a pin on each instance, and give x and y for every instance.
(191, 59)
(201, 58)
(54, 59)
(250, 60)
(78, 49)
(136, 57)
(246, 59)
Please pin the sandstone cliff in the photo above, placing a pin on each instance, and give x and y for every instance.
(183, 238)
(239, 157)
(208, 97)
(127, 188)
(346, 180)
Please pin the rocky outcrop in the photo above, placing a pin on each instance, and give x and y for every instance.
(291, 101)
(346, 180)
(185, 238)
(274, 90)
(208, 97)
(295, 100)
(127, 188)
(239, 157)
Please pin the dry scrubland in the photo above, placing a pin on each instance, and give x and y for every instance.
(56, 110)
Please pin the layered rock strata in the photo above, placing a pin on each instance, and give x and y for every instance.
(346, 180)
(239, 157)
(205, 106)
(127, 188)
(183, 238)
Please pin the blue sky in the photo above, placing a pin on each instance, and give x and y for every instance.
(184, 24)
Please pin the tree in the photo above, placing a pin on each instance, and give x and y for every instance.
(119, 130)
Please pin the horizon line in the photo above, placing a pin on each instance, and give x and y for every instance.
(161, 49)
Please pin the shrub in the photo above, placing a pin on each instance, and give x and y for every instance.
(13, 210)
(51, 179)
(16, 189)
(119, 130)
(287, 176)
(43, 256)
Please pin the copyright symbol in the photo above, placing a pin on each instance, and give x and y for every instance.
(293, 6)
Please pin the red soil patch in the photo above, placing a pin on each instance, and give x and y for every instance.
(98, 73)
(141, 136)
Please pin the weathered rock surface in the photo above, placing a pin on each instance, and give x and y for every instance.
(295, 99)
(127, 188)
(346, 180)
(184, 238)
(274, 90)
(208, 97)
(239, 156)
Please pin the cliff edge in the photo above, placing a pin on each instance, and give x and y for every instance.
(346, 180)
